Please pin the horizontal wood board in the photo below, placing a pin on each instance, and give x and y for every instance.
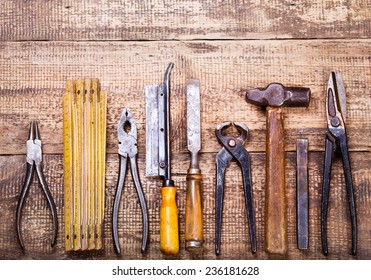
(183, 19)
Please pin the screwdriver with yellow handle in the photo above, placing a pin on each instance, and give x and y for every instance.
(158, 160)
(193, 209)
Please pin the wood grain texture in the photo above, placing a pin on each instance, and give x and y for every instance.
(275, 189)
(182, 20)
(228, 45)
(34, 74)
(235, 238)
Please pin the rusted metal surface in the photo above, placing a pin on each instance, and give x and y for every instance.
(302, 195)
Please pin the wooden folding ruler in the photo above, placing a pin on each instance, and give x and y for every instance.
(84, 135)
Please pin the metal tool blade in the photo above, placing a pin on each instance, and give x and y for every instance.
(158, 128)
(335, 82)
(152, 164)
(193, 116)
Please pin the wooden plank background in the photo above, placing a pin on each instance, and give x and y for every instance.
(128, 44)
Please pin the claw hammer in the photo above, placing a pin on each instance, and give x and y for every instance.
(274, 97)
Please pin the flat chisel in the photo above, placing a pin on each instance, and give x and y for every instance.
(193, 210)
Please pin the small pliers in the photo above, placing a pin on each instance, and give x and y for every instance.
(34, 159)
(233, 148)
(127, 135)
(336, 140)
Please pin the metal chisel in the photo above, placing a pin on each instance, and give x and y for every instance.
(193, 210)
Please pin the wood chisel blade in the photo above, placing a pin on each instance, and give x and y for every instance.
(193, 116)
(193, 210)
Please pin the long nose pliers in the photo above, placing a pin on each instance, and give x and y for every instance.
(34, 161)
(127, 135)
(336, 140)
(233, 148)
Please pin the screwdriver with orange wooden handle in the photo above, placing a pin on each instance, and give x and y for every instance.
(158, 160)
(193, 209)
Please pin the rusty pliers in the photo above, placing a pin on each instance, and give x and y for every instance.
(127, 135)
(336, 140)
(34, 159)
(233, 148)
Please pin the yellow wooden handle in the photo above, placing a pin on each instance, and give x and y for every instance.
(193, 210)
(169, 237)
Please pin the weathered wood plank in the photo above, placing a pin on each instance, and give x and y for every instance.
(33, 79)
(180, 20)
(36, 223)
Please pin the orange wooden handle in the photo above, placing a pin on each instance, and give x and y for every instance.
(275, 196)
(193, 210)
(169, 236)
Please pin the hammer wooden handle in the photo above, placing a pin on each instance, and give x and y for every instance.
(169, 236)
(193, 210)
(275, 203)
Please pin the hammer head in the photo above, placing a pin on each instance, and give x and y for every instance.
(277, 95)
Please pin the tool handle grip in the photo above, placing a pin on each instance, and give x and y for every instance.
(169, 237)
(193, 210)
(275, 196)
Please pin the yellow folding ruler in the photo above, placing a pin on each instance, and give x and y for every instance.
(84, 136)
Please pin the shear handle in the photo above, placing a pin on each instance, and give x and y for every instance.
(329, 151)
(349, 187)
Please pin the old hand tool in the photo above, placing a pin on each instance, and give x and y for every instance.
(158, 159)
(273, 98)
(127, 135)
(84, 139)
(233, 148)
(336, 140)
(193, 210)
(302, 193)
(34, 160)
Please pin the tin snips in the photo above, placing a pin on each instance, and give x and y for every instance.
(336, 140)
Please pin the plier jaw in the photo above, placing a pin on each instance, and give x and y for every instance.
(33, 145)
(127, 135)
